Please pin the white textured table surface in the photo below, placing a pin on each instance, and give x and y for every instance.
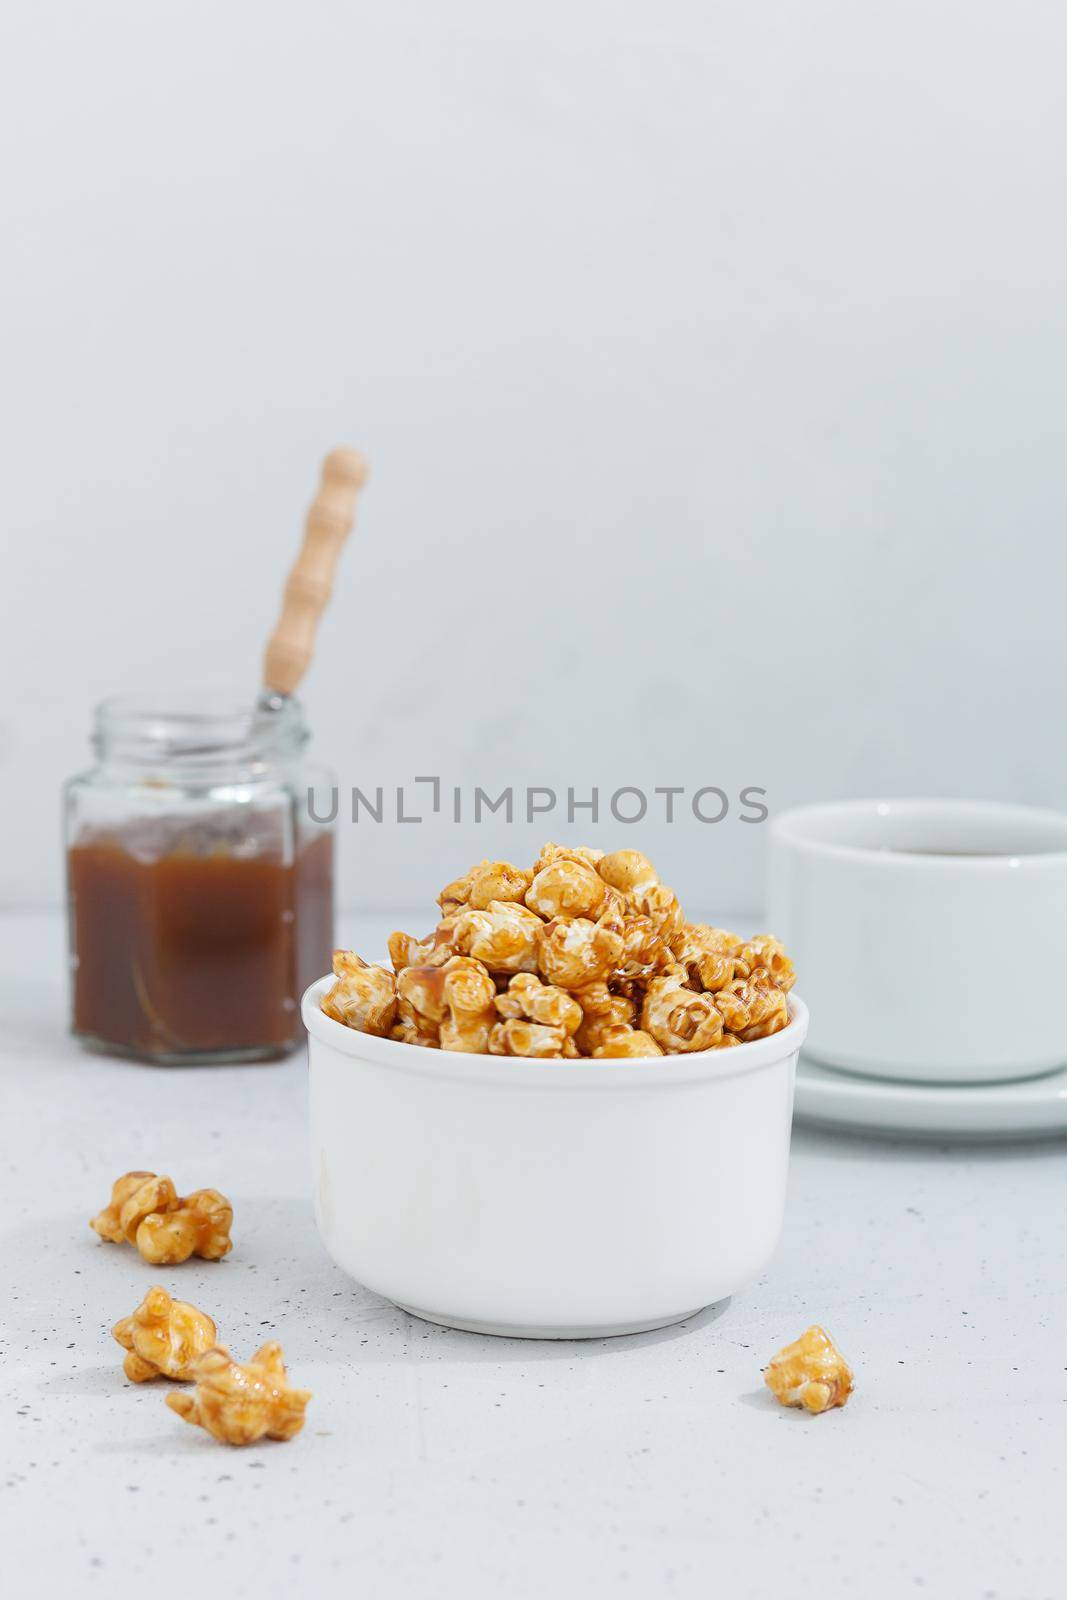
(439, 1463)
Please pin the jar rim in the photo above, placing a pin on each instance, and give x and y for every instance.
(196, 729)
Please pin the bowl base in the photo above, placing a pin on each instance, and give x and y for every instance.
(507, 1330)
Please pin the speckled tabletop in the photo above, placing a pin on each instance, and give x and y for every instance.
(447, 1464)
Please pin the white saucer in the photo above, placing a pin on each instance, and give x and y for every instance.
(1030, 1108)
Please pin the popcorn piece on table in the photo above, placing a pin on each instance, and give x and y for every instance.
(810, 1373)
(163, 1338)
(155, 1198)
(363, 997)
(108, 1223)
(240, 1404)
(199, 1225)
(134, 1197)
(148, 1212)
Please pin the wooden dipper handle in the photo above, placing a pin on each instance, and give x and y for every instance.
(310, 584)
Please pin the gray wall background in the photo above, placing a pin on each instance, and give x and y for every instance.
(711, 361)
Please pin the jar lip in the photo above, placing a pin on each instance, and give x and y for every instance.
(196, 728)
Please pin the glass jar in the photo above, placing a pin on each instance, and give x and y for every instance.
(200, 885)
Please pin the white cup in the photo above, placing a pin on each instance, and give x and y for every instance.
(549, 1199)
(929, 936)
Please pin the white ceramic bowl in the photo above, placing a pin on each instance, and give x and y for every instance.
(930, 935)
(553, 1200)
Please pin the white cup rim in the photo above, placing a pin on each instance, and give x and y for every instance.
(583, 1072)
(791, 827)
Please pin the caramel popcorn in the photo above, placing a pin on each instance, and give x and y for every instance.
(643, 947)
(574, 952)
(526, 996)
(660, 905)
(240, 1404)
(516, 1037)
(469, 993)
(810, 1373)
(764, 952)
(451, 1006)
(433, 951)
(488, 881)
(633, 877)
(146, 1211)
(586, 955)
(678, 1019)
(504, 937)
(411, 1028)
(199, 1225)
(363, 997)
(563, 852)
(599, 999)
(108, 1223)
(154, 1198)
(753, 1007)
(599, 1020)
(707, 954)
(566, 888)
(164, 1338)
(628, 871)
(619, 1040)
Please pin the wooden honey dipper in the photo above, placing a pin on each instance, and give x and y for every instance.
(310, 582)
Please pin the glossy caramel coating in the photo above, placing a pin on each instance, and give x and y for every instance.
(585, 954)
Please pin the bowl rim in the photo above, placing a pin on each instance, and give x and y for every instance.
(584, 1072)
(788, 829)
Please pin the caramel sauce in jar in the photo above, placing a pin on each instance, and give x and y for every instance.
(189, 955)
(200, 907)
